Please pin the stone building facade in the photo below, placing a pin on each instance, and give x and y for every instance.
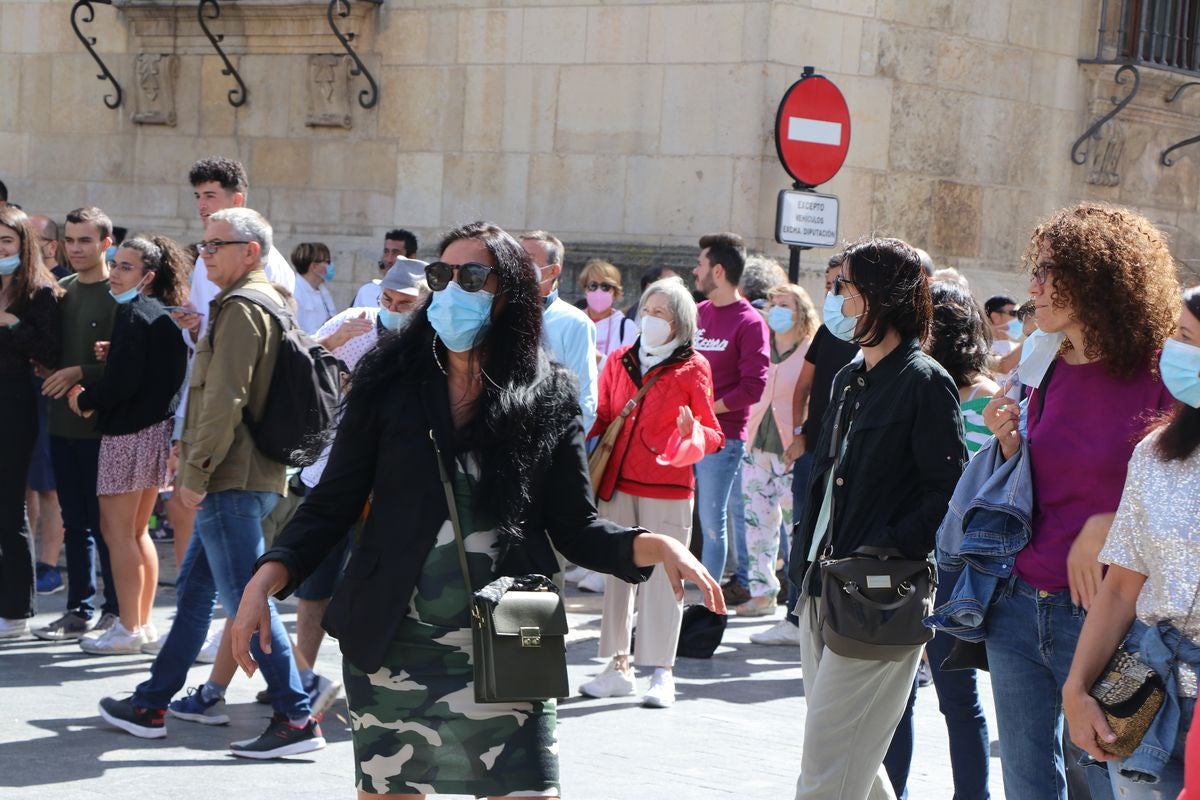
(627, 127)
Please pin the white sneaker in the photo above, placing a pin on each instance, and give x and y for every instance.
(610, 683)
(117, 640)
(782, 632)
(661, 693)
(152, 646)
(13, 628)
(593, 582)
(151, 634)
(212, 642)
(576, 574)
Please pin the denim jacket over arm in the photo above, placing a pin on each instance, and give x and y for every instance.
(989, 520)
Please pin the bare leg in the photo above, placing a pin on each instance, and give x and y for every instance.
(183, 520)
(149, 555)
(50, 539)
(309, 633)
(224, 668)
(118, 513)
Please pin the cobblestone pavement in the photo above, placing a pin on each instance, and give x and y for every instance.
(734, 733)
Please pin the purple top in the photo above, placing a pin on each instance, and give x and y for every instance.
(1079, 457)
(735, 341)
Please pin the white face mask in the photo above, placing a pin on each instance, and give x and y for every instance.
(655, 331)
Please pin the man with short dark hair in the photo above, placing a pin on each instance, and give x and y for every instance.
(397, 244)
(48, 244)
(234, 486)
(733, 336)
(88, 311)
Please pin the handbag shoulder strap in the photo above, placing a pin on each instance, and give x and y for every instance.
(454, 522)
(641, 393)
(835, 447)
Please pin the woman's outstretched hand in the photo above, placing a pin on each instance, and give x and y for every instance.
(254, 614)
(679, 565)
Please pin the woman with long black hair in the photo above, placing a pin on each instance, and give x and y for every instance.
(890, 453)
(29, 334)
(135, 401)
(466, 382)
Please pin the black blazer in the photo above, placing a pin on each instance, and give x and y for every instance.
(383, 450)
(903, 459)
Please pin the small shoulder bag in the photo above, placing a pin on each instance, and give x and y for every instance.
(518, 628)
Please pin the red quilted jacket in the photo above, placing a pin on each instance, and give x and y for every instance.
(632, 468)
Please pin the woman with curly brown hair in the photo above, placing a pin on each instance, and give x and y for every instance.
(1103, 280)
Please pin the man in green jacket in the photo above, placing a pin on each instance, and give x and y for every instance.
(233, 486)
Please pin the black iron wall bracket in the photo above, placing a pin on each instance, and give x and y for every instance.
(1079, 153)
(368, 97)
(212, 9)
(111, 100)
(1165, 158)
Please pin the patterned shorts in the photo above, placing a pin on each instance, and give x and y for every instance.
(135, 461)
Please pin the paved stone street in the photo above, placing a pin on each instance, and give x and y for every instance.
(735, 731)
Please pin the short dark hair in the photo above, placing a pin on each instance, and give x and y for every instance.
(960, 339)
(3, 192)
(307, 253)
(889, 276)
(230, 174)
(555, 251)
(401, 235)
(835, 261)
(728, 250)
(651, 275)
(93, 216)
(997, 302)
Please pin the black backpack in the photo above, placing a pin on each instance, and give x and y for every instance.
(303, 395)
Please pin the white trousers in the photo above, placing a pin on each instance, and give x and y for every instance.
(658, 612)
(854, 706)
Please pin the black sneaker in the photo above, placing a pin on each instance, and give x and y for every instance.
(280, 739)
(145, 723)
(71, 625)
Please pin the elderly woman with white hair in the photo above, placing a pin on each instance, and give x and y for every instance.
(649, 481)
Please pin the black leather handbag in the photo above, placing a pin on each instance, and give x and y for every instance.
(518, 629)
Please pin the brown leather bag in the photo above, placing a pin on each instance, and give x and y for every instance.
(598, 460)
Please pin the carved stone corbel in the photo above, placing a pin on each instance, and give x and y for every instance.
(328, 92)
(155, 81)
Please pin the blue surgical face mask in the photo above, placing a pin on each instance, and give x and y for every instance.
(838, 324)
(458, 316)
(127, 295)
(1015, 329)
(781, 319)
(1179, 366)
(9, 264)
(394, 321)
(330, 271)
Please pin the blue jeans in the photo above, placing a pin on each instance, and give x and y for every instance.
(76, 463)
(1031, 638)
(736, 511)
(714, 480)
(219, 559)
(958, 700)
(801, 470)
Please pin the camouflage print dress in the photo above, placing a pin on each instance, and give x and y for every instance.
(415, 723)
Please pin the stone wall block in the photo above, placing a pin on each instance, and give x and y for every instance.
(681, 196)
(696, 34)
(34, 102)
(855, 188)
(123, 201)
(485, 186)
(1005, 226)
(554, 36)
(801, 36)
(490, 36)
(609, 109)
(870, 104)
(77, 98)
(11, 118)
(862, 8)
(908, 54)
(985, 139)
(272, 107)
(1035, 163)
(1056, 26)
(418, 37)
(484, 108)
(365, 210)
(957, 218)
(617, 34)
(715, 110)
(217, 117)
(925, 130)
(422, 107)
(283, 162)
(365, 164)
(745, 203)
(934, 14)
(1056, 81)
(984, 21)
(419, 179)
(984, 69)
(576, 193)
(530, 107)
(306, 206)
(903, 207)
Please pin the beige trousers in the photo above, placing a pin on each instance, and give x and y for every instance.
(658, 612)
(854, 706)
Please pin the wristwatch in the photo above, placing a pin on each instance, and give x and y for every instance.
(798, 430)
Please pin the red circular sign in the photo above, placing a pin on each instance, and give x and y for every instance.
(812, 130)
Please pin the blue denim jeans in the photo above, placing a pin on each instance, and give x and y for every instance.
(218, 563)
(1031, 638)
(966, 725)
(714, 480)
(76, 463)
(736, 512)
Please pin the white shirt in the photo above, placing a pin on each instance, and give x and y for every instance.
(571, 338)
(609, 334)
(368, 295)
(313, 306)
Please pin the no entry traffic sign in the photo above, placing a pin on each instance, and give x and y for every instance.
(812, 130)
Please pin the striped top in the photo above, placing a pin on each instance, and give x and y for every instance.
(976, 432)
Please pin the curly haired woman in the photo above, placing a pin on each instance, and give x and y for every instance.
(1103, 279)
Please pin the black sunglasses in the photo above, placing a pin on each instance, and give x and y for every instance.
(839, 282)
(471, 276)
(593, 286)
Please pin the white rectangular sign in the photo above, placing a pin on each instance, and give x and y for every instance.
(817, 131)
(804, 219)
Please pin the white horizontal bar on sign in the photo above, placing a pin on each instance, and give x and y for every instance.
(817, 131)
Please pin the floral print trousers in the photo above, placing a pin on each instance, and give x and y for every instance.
(767, 493)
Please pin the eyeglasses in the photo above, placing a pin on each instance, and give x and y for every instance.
(211, 248)
(123, 266)
(594, 285)
(1040, 272)
(471, 276)
(839, 282)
